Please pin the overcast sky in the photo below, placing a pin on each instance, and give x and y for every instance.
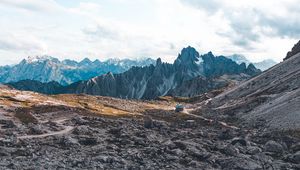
(101, 29)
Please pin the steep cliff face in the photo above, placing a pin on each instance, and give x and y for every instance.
(152, 81)
(138, 82)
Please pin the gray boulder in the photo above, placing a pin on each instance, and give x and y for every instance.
(239, 163)
(148, 122)
(273, 147)
(295, 158)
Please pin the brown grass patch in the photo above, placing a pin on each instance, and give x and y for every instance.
(93, 105)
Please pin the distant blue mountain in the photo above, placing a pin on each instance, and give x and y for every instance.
(47, 69)
(263, 65)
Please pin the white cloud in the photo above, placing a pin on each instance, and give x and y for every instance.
(253, 24)
(139, 28)
(33, 5)
(21, 43)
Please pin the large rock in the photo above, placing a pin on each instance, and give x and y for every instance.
(239, 163)
(295, 158)
(88, 140)
(230, 150)
(295, 147)
(68, 141)
(4, 151)
(82, 130)
(148, 122)
(274, 147)
(239, 141)
(36, 129)
(7, 123)
(252, 150)
(227, 134)
(200, 155)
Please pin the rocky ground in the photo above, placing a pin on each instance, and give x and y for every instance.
(85, 132)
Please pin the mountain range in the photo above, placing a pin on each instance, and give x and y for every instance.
(150, 82)
(262, 65)
(47, 69)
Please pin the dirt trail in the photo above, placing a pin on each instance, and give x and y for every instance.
(66, 130)
(187, 111)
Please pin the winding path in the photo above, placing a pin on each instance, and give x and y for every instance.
(209, 120)
(66, 130)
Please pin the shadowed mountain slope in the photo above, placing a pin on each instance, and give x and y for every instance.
(271, 98)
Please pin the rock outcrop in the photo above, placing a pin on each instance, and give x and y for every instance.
(294, 51)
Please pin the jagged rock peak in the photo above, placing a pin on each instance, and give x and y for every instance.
(85, 61)
(158, 62)
(243, 65)
(251, 66)
(210, 54)
(188, 55)
(110, 74)
(295, 50)
(252, 70)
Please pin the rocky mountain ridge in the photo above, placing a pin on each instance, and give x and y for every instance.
(46, 69)
(150, 82)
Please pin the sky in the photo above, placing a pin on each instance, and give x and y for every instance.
(102, 29)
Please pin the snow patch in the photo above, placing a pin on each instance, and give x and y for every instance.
(33, 59)
(200, 60)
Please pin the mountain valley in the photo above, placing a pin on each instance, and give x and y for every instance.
(250, 124)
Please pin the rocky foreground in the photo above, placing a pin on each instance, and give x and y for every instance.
(61, 136)
(126, 143)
